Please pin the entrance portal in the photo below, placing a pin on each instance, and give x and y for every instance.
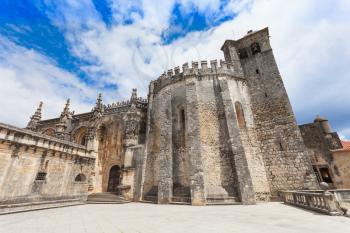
(114, 177)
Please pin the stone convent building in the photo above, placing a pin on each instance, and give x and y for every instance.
(217, 132)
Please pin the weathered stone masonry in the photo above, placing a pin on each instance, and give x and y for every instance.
(222, 132)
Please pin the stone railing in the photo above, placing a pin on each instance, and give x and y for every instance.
(324, 202)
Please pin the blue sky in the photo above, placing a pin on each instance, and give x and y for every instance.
(51, 50)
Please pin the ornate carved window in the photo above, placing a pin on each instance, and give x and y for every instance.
(255, 47)
(49, 132)
(240, 115)
(131, 129)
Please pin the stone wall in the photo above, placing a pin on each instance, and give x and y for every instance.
(25, 154)
(193, 144)
(341, 161)
(321, 143)
(239, 92)
(284, 153)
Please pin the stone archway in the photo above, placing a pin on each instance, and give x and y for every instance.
(114, 179)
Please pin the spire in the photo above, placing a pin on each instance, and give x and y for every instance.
(64, 122)
(66, 108)
(98, 109)
(133, 94)
(99, 104)
(34, 119)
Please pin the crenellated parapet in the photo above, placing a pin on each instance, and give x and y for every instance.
(199, 70)
(122, 106)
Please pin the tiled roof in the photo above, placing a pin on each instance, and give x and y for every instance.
(346, 145)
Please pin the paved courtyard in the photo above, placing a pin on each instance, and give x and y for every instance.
(149, 218)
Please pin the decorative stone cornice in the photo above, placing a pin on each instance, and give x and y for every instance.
(29, 139)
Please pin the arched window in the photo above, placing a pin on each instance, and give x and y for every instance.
(240, 115)
(182, 119)
(102, 133)
(255, 47)
(182, 124)
(49, 132)
(79, 136)
(80, 178)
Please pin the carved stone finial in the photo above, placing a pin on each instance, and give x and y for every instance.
(66, 108)
(34, 119)
(64, 122)
(98, 109)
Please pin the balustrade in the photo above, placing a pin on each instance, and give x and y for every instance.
(324, 202)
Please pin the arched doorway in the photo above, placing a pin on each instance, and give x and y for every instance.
(113, 180)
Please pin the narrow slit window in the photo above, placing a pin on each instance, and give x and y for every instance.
(240, 115)
(281, 146)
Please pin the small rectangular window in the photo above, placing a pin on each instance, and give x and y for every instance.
(325, 174)
(41, 176)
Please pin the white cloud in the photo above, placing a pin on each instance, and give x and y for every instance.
(28, 77)
(309, 38)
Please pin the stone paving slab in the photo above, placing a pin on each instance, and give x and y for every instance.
(150, 218)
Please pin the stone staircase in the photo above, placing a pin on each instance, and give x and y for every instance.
(223, 201)
(106, 198)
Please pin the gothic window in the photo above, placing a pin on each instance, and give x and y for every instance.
(255, 47)
(80, 178)
(49, 132)
(240, 115)
(242, 53)
(41, 176)
(79, 136)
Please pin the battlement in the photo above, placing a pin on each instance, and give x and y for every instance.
(204, 71)
(139, 102)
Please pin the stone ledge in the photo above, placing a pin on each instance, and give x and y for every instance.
(30, 206)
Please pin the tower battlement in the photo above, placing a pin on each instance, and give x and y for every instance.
(201, 70)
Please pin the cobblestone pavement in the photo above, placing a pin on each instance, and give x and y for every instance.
(150, 218)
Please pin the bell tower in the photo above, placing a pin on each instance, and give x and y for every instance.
(282, 147)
